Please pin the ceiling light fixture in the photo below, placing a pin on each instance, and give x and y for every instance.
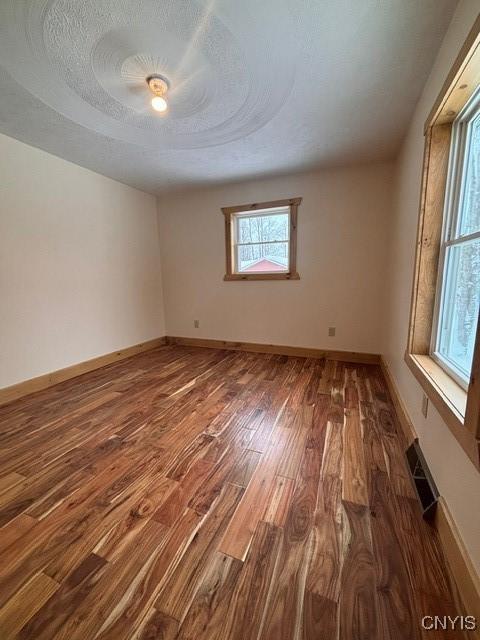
(159, 104)
(159, 86)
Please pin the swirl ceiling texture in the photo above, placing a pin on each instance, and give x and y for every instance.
(256, 87)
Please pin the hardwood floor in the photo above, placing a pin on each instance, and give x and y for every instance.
(206, 494)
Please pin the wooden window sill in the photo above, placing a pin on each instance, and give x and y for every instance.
(448, 397)
(452, 394)
(261, 276)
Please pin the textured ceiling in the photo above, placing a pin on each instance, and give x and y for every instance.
(257, 86)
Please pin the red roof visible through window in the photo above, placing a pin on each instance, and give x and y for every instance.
(264, 265)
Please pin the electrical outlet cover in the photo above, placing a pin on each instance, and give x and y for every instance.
(424, 406)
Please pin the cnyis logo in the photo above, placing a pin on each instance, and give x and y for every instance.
(463, 623)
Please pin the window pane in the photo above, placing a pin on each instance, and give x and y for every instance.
(263, 228)
(458, 321)
(263, 257)
(470, 213)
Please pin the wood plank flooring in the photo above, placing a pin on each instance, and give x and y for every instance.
(206, 494)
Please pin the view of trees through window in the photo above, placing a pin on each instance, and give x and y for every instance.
(458, 322)
(262, 241)
(459, 330)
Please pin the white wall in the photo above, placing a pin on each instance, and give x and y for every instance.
(457, 479)
(342, 226)
(79, 264)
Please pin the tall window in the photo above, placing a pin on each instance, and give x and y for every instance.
(443, 345)
(458, 292)
(261, 240)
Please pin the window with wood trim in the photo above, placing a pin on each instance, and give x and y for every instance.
(443, 349)
(458, 284)
(261, 240)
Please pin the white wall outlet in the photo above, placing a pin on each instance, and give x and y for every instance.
(424, 405)
(331, 331)
(196, 324)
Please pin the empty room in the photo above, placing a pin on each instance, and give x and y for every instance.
(239, 319)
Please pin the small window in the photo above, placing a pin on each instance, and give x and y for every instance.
(261, 240)
(458, 290)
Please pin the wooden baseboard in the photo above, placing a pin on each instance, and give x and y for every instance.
(460, 565)
(7, 394)
(256, 347)
(407, 426)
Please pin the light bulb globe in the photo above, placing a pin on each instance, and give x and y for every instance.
(159, 104)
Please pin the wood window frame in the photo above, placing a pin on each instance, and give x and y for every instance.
(451, 231)
(229, 213)
(459, 408)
